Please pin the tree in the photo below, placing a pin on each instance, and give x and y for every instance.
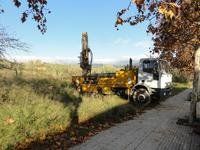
(9, 43)
(179, 38)
(175, 26)
(37, 9)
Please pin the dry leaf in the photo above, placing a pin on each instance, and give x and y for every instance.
(9, 121)
(138, 2)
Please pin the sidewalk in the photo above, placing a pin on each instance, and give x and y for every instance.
(156, 129)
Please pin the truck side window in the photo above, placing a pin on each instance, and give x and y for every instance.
(164, 66)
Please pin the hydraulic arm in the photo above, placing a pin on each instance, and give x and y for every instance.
(85, 56)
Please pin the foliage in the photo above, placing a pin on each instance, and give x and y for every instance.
(181, 77)
(40, 101)
(174, 25)
(177, 40)
(37, 9)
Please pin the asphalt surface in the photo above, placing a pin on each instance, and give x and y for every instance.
(156, 129)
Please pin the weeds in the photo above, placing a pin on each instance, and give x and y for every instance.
(40, 101)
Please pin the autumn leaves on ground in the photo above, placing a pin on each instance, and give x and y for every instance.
(39, 105)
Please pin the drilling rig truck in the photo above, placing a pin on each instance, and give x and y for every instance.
(152, 78)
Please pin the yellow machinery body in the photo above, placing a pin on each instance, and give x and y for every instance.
(106, 83)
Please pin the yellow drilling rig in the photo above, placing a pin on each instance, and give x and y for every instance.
(151, 78)
(119, 82)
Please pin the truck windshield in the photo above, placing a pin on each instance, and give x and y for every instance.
(150, 66)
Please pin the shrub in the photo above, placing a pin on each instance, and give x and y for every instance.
(180, 77)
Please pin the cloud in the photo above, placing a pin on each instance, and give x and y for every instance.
(74, 60)
(105, 60)
(56, 59)
(124, 59)
(61, 60)
(143, 44)
(135, 57)
(122, 41)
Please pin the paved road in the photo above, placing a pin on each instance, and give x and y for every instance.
(156, 129)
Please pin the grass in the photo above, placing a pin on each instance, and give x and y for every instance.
(178, 87)
(39, 101)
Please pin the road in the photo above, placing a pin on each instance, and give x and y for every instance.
(156, 129)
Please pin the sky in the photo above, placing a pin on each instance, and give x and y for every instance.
(68, 19)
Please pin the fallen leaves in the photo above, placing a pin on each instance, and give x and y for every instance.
(76, 134)
(9, 121)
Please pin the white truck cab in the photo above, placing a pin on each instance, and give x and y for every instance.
(154, 79)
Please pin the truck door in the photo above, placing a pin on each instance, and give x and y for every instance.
(148, 72)
(165, 75)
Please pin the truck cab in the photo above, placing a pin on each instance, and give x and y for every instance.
(154, 79)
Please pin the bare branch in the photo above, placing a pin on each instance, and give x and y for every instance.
(8, 43)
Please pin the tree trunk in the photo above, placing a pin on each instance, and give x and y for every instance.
(196, 87)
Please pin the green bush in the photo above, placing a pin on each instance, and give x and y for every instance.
(180, 77)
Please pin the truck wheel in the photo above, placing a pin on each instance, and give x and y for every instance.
(141, 97)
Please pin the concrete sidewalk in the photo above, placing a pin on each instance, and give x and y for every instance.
(156, 129)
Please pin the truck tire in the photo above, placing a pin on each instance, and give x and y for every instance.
(141, 97)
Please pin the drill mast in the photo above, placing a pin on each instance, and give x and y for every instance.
(85, 56)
